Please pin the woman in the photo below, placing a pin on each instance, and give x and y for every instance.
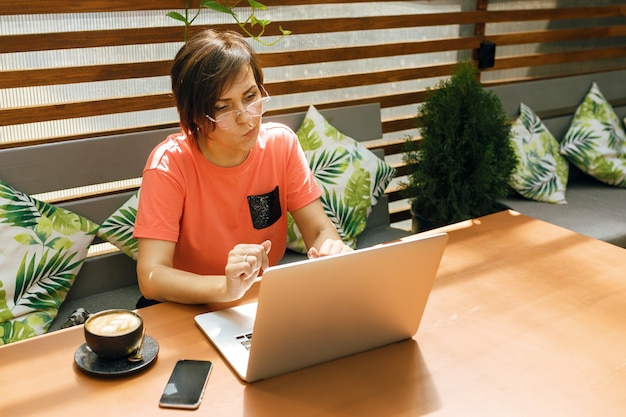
(214, 199)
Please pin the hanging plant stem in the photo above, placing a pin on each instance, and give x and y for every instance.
(247, 25)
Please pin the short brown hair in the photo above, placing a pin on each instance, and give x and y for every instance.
(206, 66)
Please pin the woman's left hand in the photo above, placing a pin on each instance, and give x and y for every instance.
(329, 247)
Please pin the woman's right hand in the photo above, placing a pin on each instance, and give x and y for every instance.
(245, 262)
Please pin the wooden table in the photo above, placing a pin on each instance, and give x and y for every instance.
(526, 319)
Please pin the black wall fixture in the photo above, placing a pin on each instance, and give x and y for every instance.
(486, 54)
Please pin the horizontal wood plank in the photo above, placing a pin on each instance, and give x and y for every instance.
(64, 111)
(69, 75)
(534, 60)
(560, 35)
(149, 102)
(91, 73)
(9, 7)
(100, 38)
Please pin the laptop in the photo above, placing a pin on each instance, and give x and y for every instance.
(313, 311)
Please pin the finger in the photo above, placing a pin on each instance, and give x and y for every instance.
(254, 263)
(245, 273)
(235, 273)
(265, 260)
(327, 247)
(251, 258)
(240, 265)
(330, 247)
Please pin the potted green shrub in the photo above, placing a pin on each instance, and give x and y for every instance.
(462, 165)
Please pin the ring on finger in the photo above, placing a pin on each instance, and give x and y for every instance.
(245, 257)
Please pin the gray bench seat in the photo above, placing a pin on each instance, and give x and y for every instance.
(593, 208)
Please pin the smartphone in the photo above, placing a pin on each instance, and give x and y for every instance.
(186, 384)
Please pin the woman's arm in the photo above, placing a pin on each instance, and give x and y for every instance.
(159, 280)
(319, 234)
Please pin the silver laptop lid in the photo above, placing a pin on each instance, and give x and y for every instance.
(314, 311)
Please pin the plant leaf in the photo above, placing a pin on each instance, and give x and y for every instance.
(177, 16)
(214, 5)
(256, 5)
(254, 21)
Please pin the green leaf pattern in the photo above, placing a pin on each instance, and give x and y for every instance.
(352, 178)
(118, 228)
(541, 172)
(595, 141)
(44, 248)
(308, 136)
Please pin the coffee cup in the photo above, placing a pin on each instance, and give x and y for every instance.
(114, 334)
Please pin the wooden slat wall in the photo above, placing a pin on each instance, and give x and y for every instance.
(559, 37)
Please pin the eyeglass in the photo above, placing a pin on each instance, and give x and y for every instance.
(229, 119)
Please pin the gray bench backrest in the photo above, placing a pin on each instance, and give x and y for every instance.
(63, 165)
(555, 100)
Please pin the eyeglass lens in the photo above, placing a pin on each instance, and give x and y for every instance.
(254, 109)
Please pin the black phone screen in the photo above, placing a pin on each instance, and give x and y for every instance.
(186, 384)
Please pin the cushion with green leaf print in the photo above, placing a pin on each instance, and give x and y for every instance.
(541, 172)
(43, 248)
(352, 178)
(595, 141)
(118, 228)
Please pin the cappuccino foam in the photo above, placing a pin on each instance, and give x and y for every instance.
(114, 324)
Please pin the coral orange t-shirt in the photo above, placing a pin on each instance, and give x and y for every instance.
(207, 209)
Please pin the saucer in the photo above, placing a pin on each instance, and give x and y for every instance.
(90, 363)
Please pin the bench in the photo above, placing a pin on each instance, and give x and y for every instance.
(108, 277)
(593, 208)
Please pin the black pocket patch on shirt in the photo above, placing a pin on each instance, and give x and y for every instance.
(265, 209)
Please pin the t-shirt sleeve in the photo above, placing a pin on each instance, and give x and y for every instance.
(160, 206)
(303, 189)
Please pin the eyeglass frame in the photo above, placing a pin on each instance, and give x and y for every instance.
(238, 113)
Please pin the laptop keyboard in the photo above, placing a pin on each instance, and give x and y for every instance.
(245, 340)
